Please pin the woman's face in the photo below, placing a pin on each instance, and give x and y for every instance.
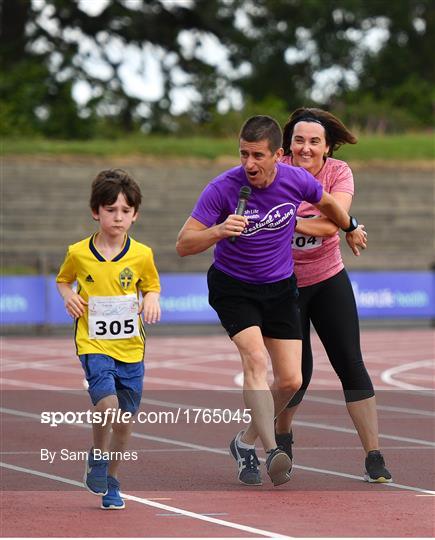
(308, 146)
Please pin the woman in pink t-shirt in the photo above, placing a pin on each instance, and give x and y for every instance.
(325, 293)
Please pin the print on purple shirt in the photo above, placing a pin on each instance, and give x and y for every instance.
(262, 254)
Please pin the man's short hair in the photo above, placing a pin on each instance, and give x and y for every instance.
(108, 184)
(260, 128)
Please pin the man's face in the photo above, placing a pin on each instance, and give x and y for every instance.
(259, 162)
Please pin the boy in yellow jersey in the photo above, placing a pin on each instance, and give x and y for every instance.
(110, 269)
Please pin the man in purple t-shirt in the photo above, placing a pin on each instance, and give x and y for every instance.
(251, 282)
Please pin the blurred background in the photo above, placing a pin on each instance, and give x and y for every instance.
(161, 88)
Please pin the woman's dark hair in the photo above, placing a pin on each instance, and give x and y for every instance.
(336, 133)
(260, 128)
(108, 184)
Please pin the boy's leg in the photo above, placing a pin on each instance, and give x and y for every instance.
(129, 377)
(95, 478)
(121, 432)
(101, 431)
(99, 370)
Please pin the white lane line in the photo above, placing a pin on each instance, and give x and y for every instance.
(152, 380)
(182, 384)
(33, 386)
(314, 425)
(389, 408)
(238, 380)
(223, 452)
(354, 477)
(153, 503)
(388, 374)
(354, 432)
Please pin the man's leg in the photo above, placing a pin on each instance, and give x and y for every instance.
(256, 392)
(286, 363)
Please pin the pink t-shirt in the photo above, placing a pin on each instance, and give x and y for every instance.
(316, 258)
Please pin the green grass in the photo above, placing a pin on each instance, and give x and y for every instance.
(407, 147)
(21, 270)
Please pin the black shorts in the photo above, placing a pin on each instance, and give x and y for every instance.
(271, 306)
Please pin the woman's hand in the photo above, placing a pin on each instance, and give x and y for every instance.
(357, 239)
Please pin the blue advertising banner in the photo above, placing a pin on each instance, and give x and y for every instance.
(185, 299)
(392, 295)
(56, 313)
(23, 300)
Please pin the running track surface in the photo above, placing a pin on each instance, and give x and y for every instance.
(183, 483)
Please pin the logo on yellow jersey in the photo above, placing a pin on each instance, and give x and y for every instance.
(126, 278)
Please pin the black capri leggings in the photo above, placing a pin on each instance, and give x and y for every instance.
(330, 306)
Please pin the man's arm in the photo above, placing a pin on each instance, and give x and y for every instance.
(195, 237)
(323, 226)
(332, 209)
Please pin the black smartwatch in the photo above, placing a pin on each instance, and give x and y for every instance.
(353, 224)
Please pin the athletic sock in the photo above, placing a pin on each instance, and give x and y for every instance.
(244, 445)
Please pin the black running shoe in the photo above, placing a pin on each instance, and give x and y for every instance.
(375, 468)
(285, 441)
(278, 466)
(247, 463)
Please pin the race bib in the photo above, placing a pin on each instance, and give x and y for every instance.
(303, 242)
(113, 317)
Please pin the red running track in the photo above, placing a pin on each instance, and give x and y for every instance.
(183, 483)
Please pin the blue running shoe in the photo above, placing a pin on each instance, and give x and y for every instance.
(247, 462)
(278, 465)
(112, 500)
(95, 478)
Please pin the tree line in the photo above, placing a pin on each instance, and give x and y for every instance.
(370, 61)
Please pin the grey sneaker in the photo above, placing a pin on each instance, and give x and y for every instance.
(247, 463)
(375, 468)
(278, 466)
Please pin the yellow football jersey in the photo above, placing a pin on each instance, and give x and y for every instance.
(111, 289)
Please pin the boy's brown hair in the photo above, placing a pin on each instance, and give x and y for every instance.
(108, 184)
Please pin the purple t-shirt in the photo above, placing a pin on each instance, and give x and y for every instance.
(262, 254)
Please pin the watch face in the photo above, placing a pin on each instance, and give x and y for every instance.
(354, 223)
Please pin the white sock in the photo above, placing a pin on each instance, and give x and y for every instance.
(244, 445)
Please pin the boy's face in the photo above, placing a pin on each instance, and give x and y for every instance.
(116, 219)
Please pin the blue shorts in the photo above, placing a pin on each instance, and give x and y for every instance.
(109, 377)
